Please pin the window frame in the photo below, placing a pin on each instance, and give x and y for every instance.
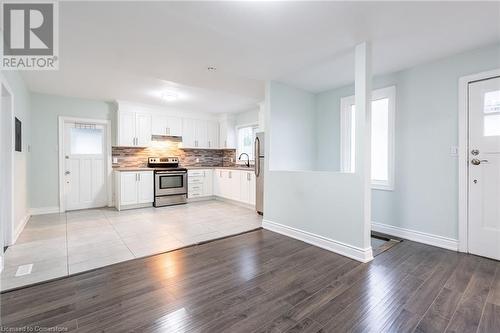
(253, 125)
(345, 135)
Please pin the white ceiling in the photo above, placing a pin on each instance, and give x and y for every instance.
(136, 50)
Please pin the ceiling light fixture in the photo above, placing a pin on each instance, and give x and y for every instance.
(169, 96)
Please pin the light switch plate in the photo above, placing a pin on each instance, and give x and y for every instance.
(454, 151)
(197, 160)
(115, 160)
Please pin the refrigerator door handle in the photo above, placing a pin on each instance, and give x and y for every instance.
(257, 156)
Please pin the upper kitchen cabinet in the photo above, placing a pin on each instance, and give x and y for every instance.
(189, 133)
(134, 129)
(166, 125)
(199, 133)
(227, 134)
(213, 134)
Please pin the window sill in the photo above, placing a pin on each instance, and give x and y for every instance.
(380, 187)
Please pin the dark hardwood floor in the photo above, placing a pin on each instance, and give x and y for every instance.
(265, 282)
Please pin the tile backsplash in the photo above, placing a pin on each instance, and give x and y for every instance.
(163, 147)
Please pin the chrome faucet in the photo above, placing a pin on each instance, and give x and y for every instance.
(248, 159)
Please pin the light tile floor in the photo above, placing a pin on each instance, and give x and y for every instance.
(62, 244)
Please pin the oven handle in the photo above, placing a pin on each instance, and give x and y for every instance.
(171, 173)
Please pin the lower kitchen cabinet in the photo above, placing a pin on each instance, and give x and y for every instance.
(200, 183)
(133, 189)
(237, 185)
(247, 187)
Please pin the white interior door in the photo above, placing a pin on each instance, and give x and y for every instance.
(484, 168)
(85, 165)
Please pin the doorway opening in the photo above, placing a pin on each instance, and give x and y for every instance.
(84, 163)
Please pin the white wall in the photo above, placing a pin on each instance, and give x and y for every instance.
(246, 117)
(45, 110)
(293, 122)
(21, 105)
(425, 198)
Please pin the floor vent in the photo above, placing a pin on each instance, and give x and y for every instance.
(24, 270)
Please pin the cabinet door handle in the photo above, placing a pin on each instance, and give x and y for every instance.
(139, 177)
(230, 174)
(220, 174)
(209, 144)
(225, 143)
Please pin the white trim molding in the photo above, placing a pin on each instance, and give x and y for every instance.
(353, 252)
(44, 210)
(416, 236)
(463, 153)
(20, 228)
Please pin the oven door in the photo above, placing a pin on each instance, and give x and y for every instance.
(169, 183)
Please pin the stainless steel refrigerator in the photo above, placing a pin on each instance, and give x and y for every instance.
(259, 171)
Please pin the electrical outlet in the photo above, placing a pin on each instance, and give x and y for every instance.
(232, 160)
(115, 160)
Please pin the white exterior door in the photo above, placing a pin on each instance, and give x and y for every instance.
(484, 168)
(85, 166)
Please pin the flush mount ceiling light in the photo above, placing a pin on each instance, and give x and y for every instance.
(169, 96)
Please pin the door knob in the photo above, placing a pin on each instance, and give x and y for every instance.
(476, 161)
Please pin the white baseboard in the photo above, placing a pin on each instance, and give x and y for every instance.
(416, 236)
(44, 210)
(353, 252)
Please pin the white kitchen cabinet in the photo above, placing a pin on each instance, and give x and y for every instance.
(188, 133)
(237, 185)
(213, 134)
(127, 193)
(166, 125)
(201, 133)
(133, 189)
(200, 183)
(143, 129)
(145, 190)
(227, 134)
(134, 129)
(247, 187)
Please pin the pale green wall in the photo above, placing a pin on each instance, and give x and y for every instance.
(426, 191)
(45, 110)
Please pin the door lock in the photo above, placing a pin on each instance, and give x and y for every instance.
(475, 152)
(67, 173)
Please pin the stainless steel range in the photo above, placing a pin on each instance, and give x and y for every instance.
(170, 181)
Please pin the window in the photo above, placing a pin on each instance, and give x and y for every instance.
(492, 113)
(86, 140)
(382, 137)
(246, 138)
